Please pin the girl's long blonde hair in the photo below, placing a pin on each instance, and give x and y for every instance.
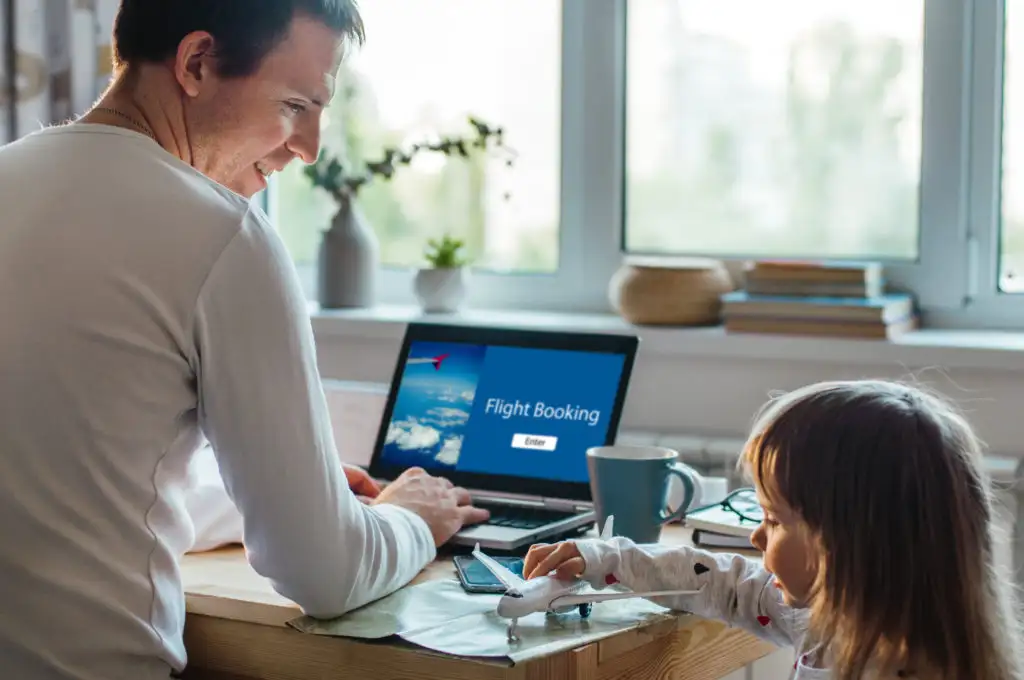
(887, 479)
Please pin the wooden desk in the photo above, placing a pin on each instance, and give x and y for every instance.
(236, 630)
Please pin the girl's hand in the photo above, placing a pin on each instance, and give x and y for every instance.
(563, 558)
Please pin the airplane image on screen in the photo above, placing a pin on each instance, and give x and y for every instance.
(436, 361)
(553, 595)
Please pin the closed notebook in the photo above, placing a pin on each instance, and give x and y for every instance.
(720, 520)
(715, 540)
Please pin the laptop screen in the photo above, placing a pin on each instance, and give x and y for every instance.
(504, 410)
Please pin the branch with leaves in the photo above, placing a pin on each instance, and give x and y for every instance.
(329, 174)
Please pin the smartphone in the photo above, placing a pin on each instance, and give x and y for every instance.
(476, 578)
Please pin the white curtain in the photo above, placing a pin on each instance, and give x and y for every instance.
(61, 60)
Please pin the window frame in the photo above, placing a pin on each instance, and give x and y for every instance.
(938, 278)
(593, 60)
(985, 305)
(955, 276)
(589, 161)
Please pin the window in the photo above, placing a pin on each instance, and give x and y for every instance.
(838, 129)
(781, 129)
(426, 67)
(1011, 265)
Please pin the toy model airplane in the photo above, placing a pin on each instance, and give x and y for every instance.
(436, 361)
(551, 594)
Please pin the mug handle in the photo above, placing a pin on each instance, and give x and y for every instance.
(683, 473)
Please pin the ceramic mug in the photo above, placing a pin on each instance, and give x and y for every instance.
(631, 483)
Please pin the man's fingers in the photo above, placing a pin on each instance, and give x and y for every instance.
(360, 481)
(370, 491)
(365, 500)
(462, 496)
(365, 487)
(414, 472)
(372, 486)
(472, 515)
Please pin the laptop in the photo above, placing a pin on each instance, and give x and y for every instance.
(509, 415)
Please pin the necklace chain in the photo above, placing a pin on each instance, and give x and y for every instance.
(130, 119)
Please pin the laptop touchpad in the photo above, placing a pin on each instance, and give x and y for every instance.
(491, 532)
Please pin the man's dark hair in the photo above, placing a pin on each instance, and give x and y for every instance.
(244, 31)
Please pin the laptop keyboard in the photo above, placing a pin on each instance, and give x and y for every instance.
(516, 517)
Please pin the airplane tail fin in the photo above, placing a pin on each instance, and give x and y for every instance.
(609, 523)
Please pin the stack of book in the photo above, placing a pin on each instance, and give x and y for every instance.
(717, 527)
(816, 279)
(819, 299)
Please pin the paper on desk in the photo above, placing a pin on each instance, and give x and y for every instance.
(441, 616)
(405, 611)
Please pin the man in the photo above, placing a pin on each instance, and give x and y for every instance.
(146, 303)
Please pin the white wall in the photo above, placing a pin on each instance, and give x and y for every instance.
(719, 396)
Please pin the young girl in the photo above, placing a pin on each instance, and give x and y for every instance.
(877, 543)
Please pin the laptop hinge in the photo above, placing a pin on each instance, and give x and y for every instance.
(556, 504)
(566, 505)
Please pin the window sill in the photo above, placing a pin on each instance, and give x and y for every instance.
(962, 349)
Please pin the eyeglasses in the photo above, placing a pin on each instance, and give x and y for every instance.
(742, 502)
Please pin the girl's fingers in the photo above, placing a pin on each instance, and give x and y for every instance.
(534, 555)
(571, 569)
(563, 552)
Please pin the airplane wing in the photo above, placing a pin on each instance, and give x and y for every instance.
(435, 361)
(513, 583)
(572, 600)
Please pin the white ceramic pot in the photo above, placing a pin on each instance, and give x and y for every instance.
(441, 290)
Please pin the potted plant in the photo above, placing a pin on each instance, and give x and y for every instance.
(349, 251)
(441, 285)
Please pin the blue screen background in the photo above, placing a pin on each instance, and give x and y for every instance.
(441, 422)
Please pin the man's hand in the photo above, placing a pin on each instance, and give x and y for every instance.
(361, 483)
(444, 507)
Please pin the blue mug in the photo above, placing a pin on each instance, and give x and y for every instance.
(631, 483)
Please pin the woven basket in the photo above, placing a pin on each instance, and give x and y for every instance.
(674, 292)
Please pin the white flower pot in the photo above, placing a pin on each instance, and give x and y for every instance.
(441, 290)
